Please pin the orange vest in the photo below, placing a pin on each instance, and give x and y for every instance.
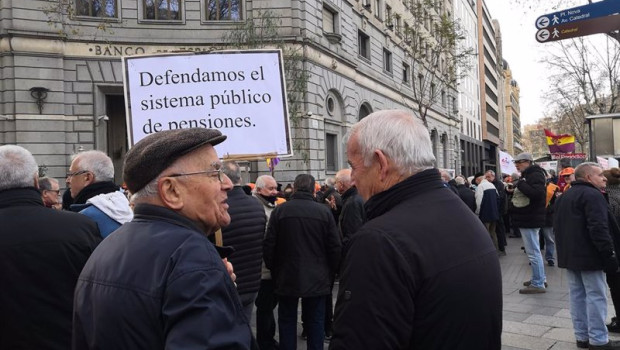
(551, 189)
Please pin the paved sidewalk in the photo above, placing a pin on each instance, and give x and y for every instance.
(538, 321)
(534, 322)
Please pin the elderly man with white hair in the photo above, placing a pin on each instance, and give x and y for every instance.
(411, 278)
(94, 193)
(42, 252)
(158, 282)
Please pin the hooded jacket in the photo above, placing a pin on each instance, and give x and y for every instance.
(487, 202)
(105, 204)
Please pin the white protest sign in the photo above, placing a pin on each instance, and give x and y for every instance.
(604, 163)
(240, 93)
(552, 165)
(507, 166)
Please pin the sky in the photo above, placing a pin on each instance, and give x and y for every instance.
(523, 52)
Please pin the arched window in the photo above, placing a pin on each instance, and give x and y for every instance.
(365, 110)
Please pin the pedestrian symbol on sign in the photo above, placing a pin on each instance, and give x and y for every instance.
(556, 33)
(556, 20)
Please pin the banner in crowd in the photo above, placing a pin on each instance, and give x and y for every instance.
(507, 165)
(240, 93)
(563, 143)
(558, 156)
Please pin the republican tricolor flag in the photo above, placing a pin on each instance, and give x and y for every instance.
(563, 143)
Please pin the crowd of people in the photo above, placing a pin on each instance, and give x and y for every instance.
(188, 253)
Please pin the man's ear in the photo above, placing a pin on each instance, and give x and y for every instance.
(36, 180)
(170, 193)
(90, 177)
(384, 164)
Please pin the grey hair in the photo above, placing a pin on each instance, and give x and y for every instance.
(459, 180)
(150, 190)
(260, 182)
(45, 183)
(344, 177)
(584, 169)
(232, 170)
(490, 172)
(330, 181)
(96, 162)
(17, 167)
(398, 134)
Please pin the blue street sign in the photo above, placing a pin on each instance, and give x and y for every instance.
(597, 9)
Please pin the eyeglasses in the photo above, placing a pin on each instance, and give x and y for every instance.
(55, 191)
(79, 172)
(206, 172)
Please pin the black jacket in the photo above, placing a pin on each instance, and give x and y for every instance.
(533, 185)
(353, 215)
(582, 228)
(245, 234)
(92, 190)
(503, 199)
(158, 283)
(468, 196)
(42, 252)
(302, 247)
(413, 279)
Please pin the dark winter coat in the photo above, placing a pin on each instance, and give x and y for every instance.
(502, 197)
(245, 234)
(468, 196)
(353, 215)
(302, 247)
(533, 185)
(42, 252)
(582, 228)
(158, 283)
(411, 279)
(487, 202)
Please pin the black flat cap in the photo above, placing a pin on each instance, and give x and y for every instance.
(156, 152)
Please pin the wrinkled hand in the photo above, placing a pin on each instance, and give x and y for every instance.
(332, 202)
(230, 270)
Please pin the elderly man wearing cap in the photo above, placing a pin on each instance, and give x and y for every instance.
(568, 174)
(527, 211)
(159, 283)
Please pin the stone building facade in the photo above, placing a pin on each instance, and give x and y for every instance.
(491, 86)
(469, 93)
(61, 87)
(512, 114)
